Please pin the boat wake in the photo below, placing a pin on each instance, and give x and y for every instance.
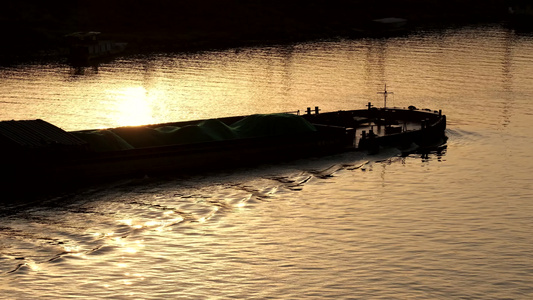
(102, 219)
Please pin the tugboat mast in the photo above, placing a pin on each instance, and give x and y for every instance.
(385, 93)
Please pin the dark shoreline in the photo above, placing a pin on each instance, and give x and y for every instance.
(34, 30)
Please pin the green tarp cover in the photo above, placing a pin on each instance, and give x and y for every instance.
(103, 140)
(210, 130)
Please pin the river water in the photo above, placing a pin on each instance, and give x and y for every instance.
(454, 224)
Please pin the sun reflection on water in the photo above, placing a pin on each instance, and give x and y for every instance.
(122, 265)
(33, 265)
(134, 106)
(130, 247)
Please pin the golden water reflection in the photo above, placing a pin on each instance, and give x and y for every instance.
(134, 106)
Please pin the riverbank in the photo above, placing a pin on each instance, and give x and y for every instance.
(37, 30)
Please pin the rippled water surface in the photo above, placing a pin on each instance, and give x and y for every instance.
(452, 224)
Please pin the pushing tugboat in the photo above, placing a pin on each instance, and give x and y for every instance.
(38, 154)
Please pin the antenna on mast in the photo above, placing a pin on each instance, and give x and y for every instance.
(385, 93)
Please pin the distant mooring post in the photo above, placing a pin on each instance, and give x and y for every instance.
(385, 93)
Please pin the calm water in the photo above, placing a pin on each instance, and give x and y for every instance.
(450, 225)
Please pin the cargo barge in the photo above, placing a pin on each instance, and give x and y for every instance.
(37, 155)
